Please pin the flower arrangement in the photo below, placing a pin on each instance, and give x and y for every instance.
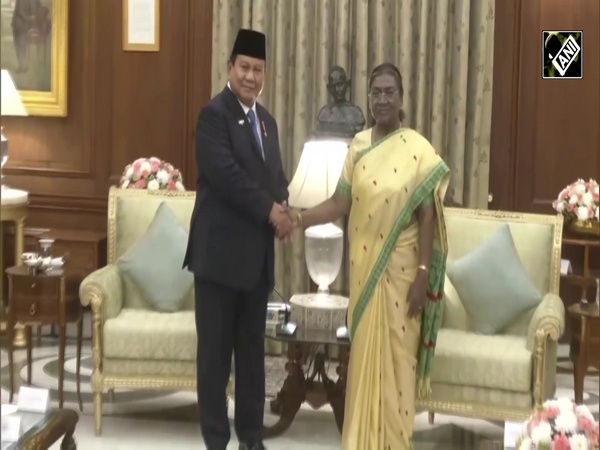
(153, 174)
(560, 425)
(579, 202)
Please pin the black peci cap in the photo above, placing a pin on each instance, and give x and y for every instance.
(250, 43)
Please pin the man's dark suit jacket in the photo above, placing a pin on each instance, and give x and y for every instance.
(230, 236)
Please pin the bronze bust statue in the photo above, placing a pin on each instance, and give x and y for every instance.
(339, 118)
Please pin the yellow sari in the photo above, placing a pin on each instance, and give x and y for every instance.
(391, 355)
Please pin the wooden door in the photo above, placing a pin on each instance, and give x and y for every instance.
(545, 133)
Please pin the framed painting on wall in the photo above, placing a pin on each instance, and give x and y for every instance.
(34, 49)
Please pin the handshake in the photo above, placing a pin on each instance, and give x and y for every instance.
(284, 221)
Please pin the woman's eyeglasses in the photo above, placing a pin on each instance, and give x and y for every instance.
(386, 95)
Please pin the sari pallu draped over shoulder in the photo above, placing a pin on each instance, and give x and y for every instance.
(388, 181)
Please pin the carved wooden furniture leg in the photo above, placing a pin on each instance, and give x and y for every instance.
(336, 391)
(27, 329)
(10, 326)
(580, 364)
(292, 354)
(61, 364)
(292, 394)
(78, 370)
(68, 442)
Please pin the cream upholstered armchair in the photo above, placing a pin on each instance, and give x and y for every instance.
(136, 346)
(506, 375)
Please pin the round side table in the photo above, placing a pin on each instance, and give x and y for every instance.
(15, 204)
(583, 348)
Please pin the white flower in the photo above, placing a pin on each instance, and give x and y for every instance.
(125, 184)
(584, 411)
(565, 405)
(588, 199)
(580, 188)
(153, 185)
(596, 191)
(560, 207)
(583, 213)
(566, 422)
(162, 176)
(578, 442)
(542, 434)
(179, 186)
(598, 213)
(145, 167)
(525, 444)
(129, 172)
(573, 200)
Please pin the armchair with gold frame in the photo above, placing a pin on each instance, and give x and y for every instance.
(134, 346)
(508, 375)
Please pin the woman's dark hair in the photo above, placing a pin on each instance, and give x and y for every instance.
(389, 69)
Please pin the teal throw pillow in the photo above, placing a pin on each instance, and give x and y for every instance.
(492, 283)
(154, 262)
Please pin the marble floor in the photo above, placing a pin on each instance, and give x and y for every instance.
(168, 420)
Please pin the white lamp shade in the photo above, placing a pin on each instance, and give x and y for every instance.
(318, 173)
(11, 100)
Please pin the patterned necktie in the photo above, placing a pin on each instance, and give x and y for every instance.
(252, 120)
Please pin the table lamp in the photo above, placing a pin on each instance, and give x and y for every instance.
(11, 106)
(315, 181)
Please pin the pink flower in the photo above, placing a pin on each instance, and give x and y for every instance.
(560, 442)
(551, 412)
(584, 424)
(171, 185)
(570, 207)
(140, 184)
(136, 165)
(154, 166)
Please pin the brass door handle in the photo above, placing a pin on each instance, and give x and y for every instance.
(32, 309)
(490, 197)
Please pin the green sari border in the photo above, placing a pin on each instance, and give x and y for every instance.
(421, 192)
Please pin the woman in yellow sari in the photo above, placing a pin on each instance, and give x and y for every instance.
(392, 186)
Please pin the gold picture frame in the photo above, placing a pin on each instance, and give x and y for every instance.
(38, 57)
(142, 46)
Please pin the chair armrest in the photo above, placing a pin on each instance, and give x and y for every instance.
(104, 291)
(548, 320)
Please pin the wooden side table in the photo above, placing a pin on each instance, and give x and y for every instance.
(15, 204)
(46, 298)
(584, 344)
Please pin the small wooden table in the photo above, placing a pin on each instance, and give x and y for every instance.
(317, 389)
(15, 205)
(41, 431)
(45, 298)
(583, 345)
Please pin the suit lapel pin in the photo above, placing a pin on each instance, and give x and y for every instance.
(241, 122)
(264, 128)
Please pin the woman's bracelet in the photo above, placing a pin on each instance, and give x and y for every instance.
(423, 267)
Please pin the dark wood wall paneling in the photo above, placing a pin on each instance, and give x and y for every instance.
(545, 133)
(122, 105)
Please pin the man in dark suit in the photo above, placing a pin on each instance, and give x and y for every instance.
(240, 207)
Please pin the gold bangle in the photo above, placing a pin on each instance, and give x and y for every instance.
(423, 267)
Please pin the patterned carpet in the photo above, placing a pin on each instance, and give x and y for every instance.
(179, 408)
